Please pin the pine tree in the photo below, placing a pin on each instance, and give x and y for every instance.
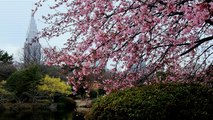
(5, 57)
(6, 65)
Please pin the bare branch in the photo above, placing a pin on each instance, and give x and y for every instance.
(199, 42)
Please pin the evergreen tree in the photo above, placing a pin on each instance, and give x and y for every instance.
(5, 57)
(6, 66)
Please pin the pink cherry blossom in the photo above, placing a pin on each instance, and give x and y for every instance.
(174, 36)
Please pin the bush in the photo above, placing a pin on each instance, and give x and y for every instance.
(6, 70)
(24, 80)
(156, 102)
(161, 75)
(54, 85)
(66, 103)
(5, 95)
(96, 93)
(2, 89)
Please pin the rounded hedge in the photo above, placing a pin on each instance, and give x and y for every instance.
(24, 80)
(156, 102)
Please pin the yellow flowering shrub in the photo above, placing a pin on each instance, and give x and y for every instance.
(52, 85)
(2, 90)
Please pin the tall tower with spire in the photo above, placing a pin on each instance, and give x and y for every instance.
(32, 47)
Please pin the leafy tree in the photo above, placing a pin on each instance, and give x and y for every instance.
(165, 34)
(5, 57)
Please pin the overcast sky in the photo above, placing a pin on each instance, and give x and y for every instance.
(14, 21)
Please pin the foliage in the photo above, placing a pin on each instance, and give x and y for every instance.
(77, 115)
(94, 81)
(5, 57)
(6, 66)
(67, 103)
(164, 34)
(156, 102)
(53, 71)
(96, 93)
(24, 80)
(5, 95)
(3, 91)
(2, 83)
(161, 75)
(53, 85)
(6, 69)
(208, 76)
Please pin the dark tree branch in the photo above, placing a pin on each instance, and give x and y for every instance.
(208, 1)
(162, 2)
(209, 22)
(199, 42)
(176, 13)
(170, 45)
(182, 2)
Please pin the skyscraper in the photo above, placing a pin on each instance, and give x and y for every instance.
(32, 47)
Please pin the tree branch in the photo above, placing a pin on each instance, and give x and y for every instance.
(176, 13)
(209, 22)
(199, 42)
(182, 44)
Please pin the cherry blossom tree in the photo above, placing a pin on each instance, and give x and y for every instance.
(167, 35)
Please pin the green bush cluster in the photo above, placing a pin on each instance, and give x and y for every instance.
(3, 91)
(156, 102)
(4, 94)
(24, 80)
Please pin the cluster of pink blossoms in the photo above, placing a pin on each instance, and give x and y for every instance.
(174, 36)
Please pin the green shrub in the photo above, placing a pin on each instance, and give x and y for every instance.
(156, 102)
(96, 93)
(66, 103)
(5, 96)
(161, 75)
(24, 80)
(3, 91)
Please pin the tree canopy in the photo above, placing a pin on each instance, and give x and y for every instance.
(5, 57)
(168, 35)
(6, 66)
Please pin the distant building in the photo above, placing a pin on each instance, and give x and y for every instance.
(138, 67)
(32, 47)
